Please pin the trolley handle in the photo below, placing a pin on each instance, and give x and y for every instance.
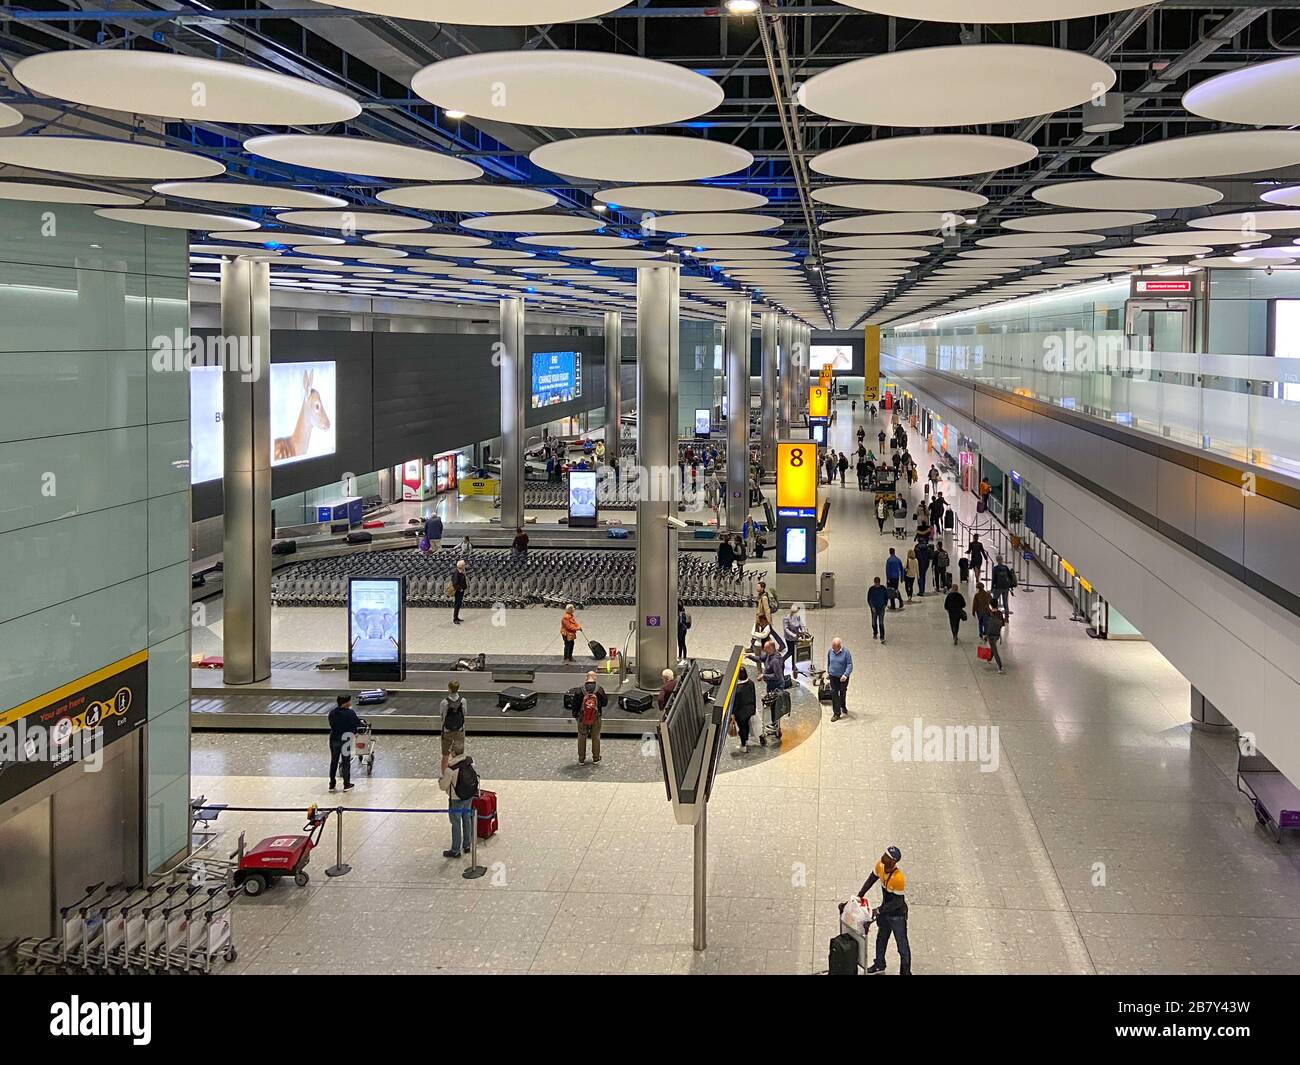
(91, 891)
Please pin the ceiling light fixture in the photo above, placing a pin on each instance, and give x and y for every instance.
(453, 114)
(742, 7)
(1104, 114)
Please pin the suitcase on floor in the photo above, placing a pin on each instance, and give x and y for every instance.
(284, 547)
(359, 537)
(485, 807)
(618, 534)
(372, 696)
(636, 704)
(843, 956)
(374, 523)
(516, 699)
(824, 689)
(597, 650)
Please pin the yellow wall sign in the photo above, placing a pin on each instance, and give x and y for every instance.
(871, 365)
(796, 477)
(819, 402)
(480, 486)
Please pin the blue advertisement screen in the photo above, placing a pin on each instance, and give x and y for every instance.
(557, 377)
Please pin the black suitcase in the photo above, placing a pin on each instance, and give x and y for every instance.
(824, 690)
(597, 650)
(371, 696)
(844, 956)
(284, 547)
(636, 704)
(516, 699)
(360, 536)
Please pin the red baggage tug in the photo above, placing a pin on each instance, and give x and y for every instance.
(280, 856)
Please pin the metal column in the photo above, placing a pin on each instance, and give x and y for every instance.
(785, 341)
(1206, 716)
(657, 369)
(737, 352)
(513, 400)
(767, 344)
(613, 384)
(700, 886)
(246, 481)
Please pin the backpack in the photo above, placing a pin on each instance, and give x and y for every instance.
(466, 781)
(774, 604)
(590, 708)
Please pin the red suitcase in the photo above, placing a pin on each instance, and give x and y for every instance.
(485, 806)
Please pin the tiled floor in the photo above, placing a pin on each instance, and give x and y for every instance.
(1109, 839)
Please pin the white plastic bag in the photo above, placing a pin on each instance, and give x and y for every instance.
(857, 915)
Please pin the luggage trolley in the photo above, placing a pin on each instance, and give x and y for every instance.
(363, 746)
(861, 937)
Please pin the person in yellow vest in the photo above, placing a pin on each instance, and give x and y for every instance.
(891, 914)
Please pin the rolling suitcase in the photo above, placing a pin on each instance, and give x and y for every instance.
(372, 696)
(485, 807)
(636, 704)
(516, 699)
(359, 537)
(843, 956)
(597, 650)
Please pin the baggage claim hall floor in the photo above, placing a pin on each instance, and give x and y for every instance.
(1109, 838)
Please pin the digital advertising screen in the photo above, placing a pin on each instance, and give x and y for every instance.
(796, 546)
(582, 499)
(557, 377)
(376, 624)
(703, 422)
(1286, 329)
(303, 416)
(835, 356)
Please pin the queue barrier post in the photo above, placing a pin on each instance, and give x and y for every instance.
(474, 871)
(340, 867)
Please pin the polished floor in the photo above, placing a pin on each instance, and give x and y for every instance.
(1108, 839)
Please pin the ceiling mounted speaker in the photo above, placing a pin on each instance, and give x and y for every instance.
(1104, 114)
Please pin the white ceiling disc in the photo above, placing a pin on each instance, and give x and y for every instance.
(1287, 197)
(567, 89)
(467, 199)
(353, 268)
(157, 216)
(577, 240)
(749, 254)
(899, 198)
(532, 223)
(1205, 155)
(1031, 252)
(1068, 220)
(247, 250)
(625, 263)
(640, 157)
(485, 253)
(1211, 237)
(498, 262)
(1285, 252)
(353, 220)
(449, 271)
(884, 240)
(9, 116)
(1167, 251)
(704, 223)
(604, 253)
(1112, 265)
(361, 251)
(894, 222)
(426, 240)
(39, 192)
(1025, 240)
(361, 155)
(725, 240)
(307, 260)
(557, 271)
(1230, 262)
(956, 85)
(680, 198)
(1135, 254)
(248, 195)
(838, 266)
(1006, 261)
(182, 86)
(926, 157)
(105, 158)
(279, 237)
(1261, 94)
(1110, 194)
(867, 254)
(1247, 222)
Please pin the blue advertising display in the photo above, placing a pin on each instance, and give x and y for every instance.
(557, 377)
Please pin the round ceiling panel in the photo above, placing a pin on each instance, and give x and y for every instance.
(887, 197)
(467, 199)
(1104, 194)
(679, 198)
(361, 251)
(277, 237)
(353, 221)
(1215, 238)
(577, 240)
(532, 223)
(1248, 222)
(184, 87)
(1261, 94)
(1025, 240)
(724, 240)
(956, 85)
(884, 240)
(157, 216)
(1066, 221)
(361, 155)
(104, 158)
(39, 192)
(925, 157)
(567, 89)
(427, 240)
(705, 223)
(9, 116)
(248, 195)
(894, 222)
(640, 157)
(1205, 155)
(483, 12)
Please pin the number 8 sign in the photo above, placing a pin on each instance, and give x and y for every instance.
(796, 476)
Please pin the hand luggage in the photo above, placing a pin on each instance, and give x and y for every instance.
(597, 650)
(284, 547)
(984, 653)
(485, 807)
(477, 664)
(824, 688)
(636, 703)
(516, 699)
(618, 534)
(374, 523)
(843, 956)
(371, 696)
(358, 536)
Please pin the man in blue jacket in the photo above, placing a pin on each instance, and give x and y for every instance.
(877, 598)
(893, 574)
(839, 667)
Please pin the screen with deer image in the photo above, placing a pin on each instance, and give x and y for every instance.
(303, 416)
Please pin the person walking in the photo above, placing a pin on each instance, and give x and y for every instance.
(933, 477)
(982, 604)
(877, 598)
(773, 663)
(882, 512)
(924, 556)
(941, 564)
(569, 629)
(891, 915)
(433, 531)
(900, 518)
(762, 608)
(461, 783)
(344, 723)
(683, 626)
(464, 549)
(744, 705)
(910, 571)
(975, 551)
(726, 557)
(793, 628)
(1004, 580)
(862, 470)
(451, 712)
(993, 625)
(839, 668)
(937, 507)
(459, 586)
(740, 554)
(894, 572)
(589, 709)
(955, 605)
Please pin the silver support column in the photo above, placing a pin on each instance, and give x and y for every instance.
(613, 384)
(513, 401)
(767, 326)
(657, 369)
(700, 887)
(785, 339)
(1206, 716)
(246, 482)
(737, 360)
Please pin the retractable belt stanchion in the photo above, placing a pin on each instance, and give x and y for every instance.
(340, 867)
(474, 870)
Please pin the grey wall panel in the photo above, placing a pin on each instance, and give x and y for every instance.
(1176, 496)
(1130, 474)
(1220, 517)
(1270, 542)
